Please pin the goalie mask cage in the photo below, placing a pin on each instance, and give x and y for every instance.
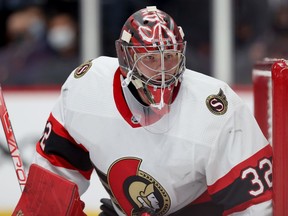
(270, 92)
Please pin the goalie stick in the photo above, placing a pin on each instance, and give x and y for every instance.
(12, 144)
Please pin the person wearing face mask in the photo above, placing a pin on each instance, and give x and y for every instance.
(42, 46)
(62, 34)
(62, 44)
(26, 45)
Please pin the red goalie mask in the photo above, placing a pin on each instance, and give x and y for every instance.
(151, 56)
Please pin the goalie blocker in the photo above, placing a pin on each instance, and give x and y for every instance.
(48, 194)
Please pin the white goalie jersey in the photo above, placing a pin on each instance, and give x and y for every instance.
(214, 151)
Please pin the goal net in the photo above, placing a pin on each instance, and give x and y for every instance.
(270, 92)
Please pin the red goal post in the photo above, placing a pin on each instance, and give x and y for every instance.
(270, 91)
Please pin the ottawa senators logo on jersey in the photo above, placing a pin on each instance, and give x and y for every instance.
(132, 190)
(217, 104)
(82, 69)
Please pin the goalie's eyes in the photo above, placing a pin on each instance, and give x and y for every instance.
(149, 58)
(152, 58)
(156, 61)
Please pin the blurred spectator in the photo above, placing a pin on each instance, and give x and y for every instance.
(62, 34)
(40, 51)
(62, 40)
(27, 23)
(277, 46)
(251, 26)
(26, 45)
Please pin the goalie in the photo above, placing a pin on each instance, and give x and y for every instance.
(163, 139)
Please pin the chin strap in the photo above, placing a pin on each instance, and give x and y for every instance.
(160, 105)
(127, 80)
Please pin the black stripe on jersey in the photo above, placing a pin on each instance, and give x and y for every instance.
(200, 209)
(103, 178)
(238, 192)
(75, 155)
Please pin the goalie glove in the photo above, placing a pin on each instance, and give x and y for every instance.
(108, 209)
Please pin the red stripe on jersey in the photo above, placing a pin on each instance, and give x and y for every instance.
(235, 172)
(120, 100)
(265, 197)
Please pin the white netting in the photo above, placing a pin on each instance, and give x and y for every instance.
(263, 100)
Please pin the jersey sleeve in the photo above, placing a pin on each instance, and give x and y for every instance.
(59, 152)
(239, 171)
